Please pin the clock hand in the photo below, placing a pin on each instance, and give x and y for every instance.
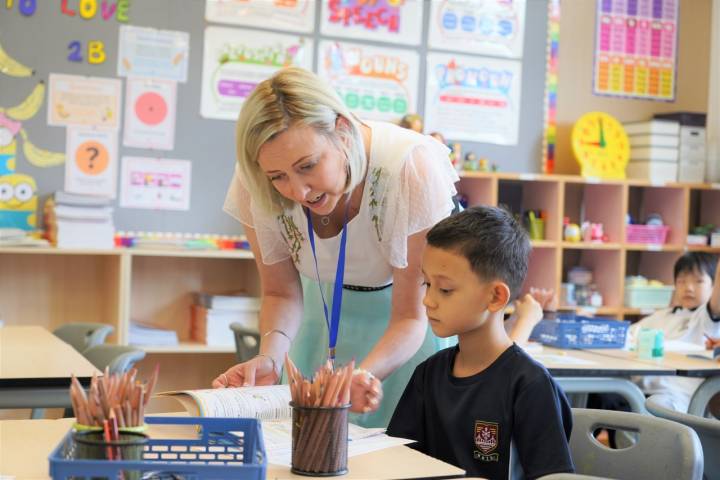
(594, 144)
(602, 134)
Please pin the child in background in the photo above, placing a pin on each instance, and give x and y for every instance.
(483, 405)
(695, 315)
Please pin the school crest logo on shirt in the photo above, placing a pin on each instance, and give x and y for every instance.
(486, 441)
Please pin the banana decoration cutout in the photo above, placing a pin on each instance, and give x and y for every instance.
(10, 66)
(38, 156)
(30, 106)
(10, 126)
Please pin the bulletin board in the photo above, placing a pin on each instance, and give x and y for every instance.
(45, 40)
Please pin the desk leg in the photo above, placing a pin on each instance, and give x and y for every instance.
(622, 386)
(700, 399)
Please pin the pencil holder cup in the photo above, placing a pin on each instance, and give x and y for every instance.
(536, 229)
(91, 445)
(319, 440)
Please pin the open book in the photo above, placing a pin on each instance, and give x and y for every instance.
(271, 405)
(270, 402)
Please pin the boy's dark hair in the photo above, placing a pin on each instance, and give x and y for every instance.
(696, 262)
(494, 243)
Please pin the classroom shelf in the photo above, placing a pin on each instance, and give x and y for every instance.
(653, 247)
(543, 243)
(590, 246)
(702, 248)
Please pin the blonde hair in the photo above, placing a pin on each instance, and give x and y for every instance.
(293, 96)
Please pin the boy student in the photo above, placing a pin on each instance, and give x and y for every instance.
(484, 404)
(694, 318)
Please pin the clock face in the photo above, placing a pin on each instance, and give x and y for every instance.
(600, 145)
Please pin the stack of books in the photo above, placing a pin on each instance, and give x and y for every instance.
(212, 315)
(79, 221)
(141, 334)
(654, 150)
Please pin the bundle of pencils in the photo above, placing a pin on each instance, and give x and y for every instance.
(112, 396)
(320, 407)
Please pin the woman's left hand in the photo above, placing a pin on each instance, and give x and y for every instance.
(365, 392)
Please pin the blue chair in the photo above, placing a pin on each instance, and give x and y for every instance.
(82, 336)
(707, 429)
(663, 449)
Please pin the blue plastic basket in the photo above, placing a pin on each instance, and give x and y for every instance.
(224, 448)
(574, 331)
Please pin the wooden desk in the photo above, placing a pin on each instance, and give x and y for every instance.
(596, 363)
(35, 368)
(26, 445)
(582, 371)
(685, 366)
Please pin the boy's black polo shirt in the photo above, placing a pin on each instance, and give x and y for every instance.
(470, 422)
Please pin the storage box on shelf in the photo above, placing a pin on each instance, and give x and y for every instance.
(670, 202)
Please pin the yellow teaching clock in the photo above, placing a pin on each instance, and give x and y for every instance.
(600, 145)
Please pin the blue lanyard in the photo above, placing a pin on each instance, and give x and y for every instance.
(333, 322)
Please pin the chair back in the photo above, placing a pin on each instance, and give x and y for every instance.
(247, 341)
(83, 335)
(663, 449)
(119, 358)
(707, 429)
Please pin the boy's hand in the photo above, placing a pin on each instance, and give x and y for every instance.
(528, 310)
(711, 343)
(365, 392)
(546, 298)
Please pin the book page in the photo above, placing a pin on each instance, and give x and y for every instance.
(270, 402)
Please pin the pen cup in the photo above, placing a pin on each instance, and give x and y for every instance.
(319, 440)
(91, 445)
(536, 228)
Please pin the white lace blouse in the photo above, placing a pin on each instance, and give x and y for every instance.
(409, 188)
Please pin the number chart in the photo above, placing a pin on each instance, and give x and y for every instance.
(636, 48)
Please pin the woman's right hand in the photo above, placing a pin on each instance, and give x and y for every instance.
(259, 370)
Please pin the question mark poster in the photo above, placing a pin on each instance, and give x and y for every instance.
(150, 114)
(92, 159)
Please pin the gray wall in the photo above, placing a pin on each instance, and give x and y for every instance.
(41, 41)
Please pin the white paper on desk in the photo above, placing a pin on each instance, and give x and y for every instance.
(683, 347)
(277, 435)
(564, 359)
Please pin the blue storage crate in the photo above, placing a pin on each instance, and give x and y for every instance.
(574, 331)
(215, 453)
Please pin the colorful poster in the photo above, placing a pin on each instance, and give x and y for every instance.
(375, 83)
(393, 21)
(90, 101)
(152, 53)
(481, 27)
(285, 15)
(475, 99)
(636, 48)
(156, 184)
(236, 60)
(92, 158)
(150, 114)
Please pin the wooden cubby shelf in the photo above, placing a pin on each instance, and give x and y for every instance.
(681, 206)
